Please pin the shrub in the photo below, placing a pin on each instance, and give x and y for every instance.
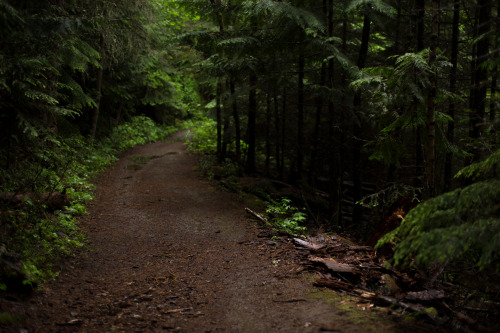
(284, 216)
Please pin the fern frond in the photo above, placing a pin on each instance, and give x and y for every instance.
(77, 54)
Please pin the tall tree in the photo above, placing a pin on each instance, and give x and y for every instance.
(430, 162)
(480, 73)
(450, 135)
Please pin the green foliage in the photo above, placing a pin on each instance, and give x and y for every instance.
(202, 136)
(284, 216)
(138, 131)
(460, 228)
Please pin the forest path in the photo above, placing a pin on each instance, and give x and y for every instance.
(171, 253)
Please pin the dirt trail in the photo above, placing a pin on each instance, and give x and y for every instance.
(171, 253)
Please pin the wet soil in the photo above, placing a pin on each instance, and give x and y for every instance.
(170, 252)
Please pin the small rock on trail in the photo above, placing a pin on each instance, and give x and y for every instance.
(169, 252)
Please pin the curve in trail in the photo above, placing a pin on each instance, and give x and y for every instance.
(169, 252)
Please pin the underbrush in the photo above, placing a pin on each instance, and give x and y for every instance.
(284, 216)
(33, 233)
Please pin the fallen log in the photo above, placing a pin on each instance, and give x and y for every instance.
(425, 295)
(308, 245)
(54, 200)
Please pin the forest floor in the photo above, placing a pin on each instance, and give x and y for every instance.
(169, 251)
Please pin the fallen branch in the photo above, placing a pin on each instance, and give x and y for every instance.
(308, 245)
(390, 301)
(425, 295)
(333, 265)
(257, 215)
(472, 323)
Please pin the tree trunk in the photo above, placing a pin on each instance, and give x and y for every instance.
(283, 134)
(252, 115)
(236, 120)
(479, 88)
(316, 134)
(300, 116)
(494, 77)
(95, 116)
(430, 161)
(226, 133)
(397, 43)
(419, 158)
(319, 108)
(218, 116)
(420, 7)
(450, 134)
(357, 214)
(277, 131)
(268, 132)
(334, 136)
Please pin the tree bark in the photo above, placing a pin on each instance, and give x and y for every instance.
(450, 134)
(494, 76)
(316, 134)
(430, 161)
(283, 134)
(479, 88)
(268, 132)
(95, 116)
(300, 116)
(226, 133)
(357, 213)
(236, 120)
(420, 8)
(218, 116)
(252, 115)
(277, 131)
(419, 158)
